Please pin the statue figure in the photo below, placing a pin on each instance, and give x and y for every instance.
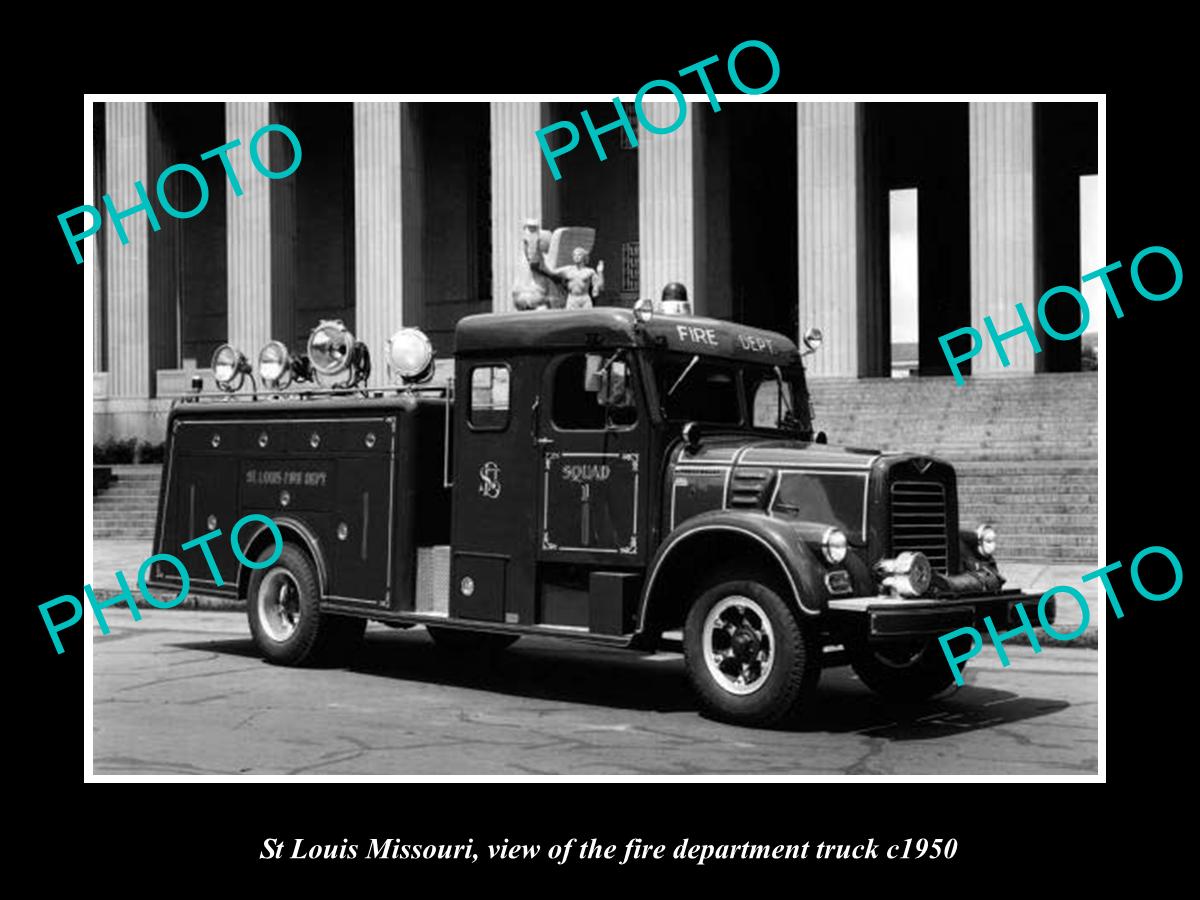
(543, 272)
(583, 282)
(532, 288)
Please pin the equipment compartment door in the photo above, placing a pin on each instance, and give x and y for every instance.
(363, 546)
(202, 501)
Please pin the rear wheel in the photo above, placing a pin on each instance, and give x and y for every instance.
(456, 640)
(283, 606)
(749, 658)
(903, 672)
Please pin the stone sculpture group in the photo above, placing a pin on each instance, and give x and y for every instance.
(545, 280)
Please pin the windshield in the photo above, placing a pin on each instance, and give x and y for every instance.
(692, 388)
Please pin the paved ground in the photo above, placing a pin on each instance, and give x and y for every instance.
(184, 692)
(126, 556)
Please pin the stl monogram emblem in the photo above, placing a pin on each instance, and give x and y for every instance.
(489, 480)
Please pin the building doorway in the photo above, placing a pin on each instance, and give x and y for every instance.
(747, 255)
(448, 247)
(312, 220)
(187, 273)
(904, 276)
(600, 194)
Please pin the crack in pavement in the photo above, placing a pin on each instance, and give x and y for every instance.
(874, 750)
(134, 687)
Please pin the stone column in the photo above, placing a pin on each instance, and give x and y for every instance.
(127, 265)
(378, 253)
(826, 177)
(98, 311)
(1002, 244)
(516, 191)
(248, 236)
(666, 203)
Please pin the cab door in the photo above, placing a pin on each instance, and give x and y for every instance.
(495, 469)
(592, 431)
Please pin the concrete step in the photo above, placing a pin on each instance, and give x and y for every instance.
(1008, 504)
(125, 496)
(1024, 494)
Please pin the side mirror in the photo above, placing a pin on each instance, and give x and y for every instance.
(691, 437)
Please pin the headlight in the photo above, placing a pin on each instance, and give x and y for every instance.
(329, 347)
(273, 363)
(985, 537)
(833, 545)
(228, 364)
(409, 355)
(813, 338)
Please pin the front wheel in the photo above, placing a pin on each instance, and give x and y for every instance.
(906, 673)
(749, 658)
(283, 605)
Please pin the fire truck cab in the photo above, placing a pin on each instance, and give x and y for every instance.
(613, 476)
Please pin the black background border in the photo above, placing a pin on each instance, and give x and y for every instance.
(1009, 827)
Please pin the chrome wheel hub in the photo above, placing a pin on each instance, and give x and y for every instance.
(739, 645)
(279, 605)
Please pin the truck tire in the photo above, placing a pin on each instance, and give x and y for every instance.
(283, 606)
(749, 658)
(906, 673)
(456, 640)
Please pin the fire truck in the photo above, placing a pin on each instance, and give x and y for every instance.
(618, 477)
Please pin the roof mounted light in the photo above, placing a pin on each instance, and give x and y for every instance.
(278, 368)
(333, 350)
(409, 356)
(676, 307)
(229, 368)
(330, 346)
(274, 365)
(812, 340)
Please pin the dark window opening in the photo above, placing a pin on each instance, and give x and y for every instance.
(691, 389)
(489, 397)
(594, 391)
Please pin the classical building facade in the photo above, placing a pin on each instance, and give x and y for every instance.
(772, 213)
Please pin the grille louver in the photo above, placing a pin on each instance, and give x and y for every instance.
(919, 521)
(749, 488)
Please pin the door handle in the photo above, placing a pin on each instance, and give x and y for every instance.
(533, 425)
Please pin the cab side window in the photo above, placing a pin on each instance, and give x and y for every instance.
(593, 391)
(488, 409)
(769, 403)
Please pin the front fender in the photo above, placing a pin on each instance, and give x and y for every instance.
(801, 569)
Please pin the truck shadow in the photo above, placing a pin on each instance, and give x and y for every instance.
(539, 669)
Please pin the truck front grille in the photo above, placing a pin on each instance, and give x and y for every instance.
(919, 521)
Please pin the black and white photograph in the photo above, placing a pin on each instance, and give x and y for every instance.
(471, 437)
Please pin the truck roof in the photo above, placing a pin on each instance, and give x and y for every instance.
(610, 326)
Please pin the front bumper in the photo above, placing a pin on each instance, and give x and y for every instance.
(887, 619)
